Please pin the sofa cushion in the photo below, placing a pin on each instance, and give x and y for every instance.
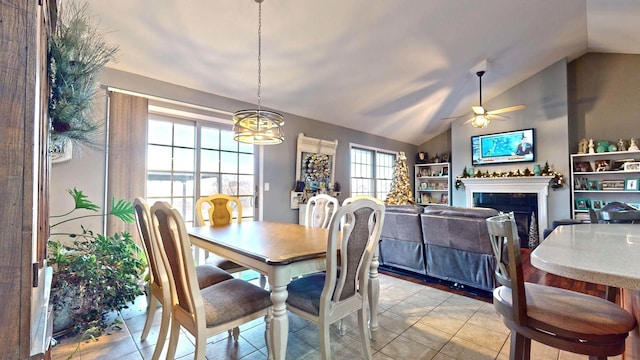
(473, 212)
(402, 222)
(457, 228)
(411, 209)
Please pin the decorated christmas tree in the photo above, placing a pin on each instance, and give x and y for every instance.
(400, 193)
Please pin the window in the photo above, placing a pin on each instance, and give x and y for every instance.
(188, 159)
(371, 171)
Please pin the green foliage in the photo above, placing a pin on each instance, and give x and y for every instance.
(77, 54)
(95, 274)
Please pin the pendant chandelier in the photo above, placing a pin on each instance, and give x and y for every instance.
(258, 126)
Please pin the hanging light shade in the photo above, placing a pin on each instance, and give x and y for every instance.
(257, 126)
(480, 121)
(261, 127)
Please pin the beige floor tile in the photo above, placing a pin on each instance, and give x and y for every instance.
(459, 311)
(441, 356)
(396, 323)
(404, 348)
(459, 348)
(427, 336)
(483, 336)
(442, 322)
(406, 308)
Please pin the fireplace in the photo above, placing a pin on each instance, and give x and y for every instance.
(538, 186)
(521, 204)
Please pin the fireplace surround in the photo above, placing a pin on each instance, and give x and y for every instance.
(538, 185)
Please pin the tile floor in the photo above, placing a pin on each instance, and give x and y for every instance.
(416, 322)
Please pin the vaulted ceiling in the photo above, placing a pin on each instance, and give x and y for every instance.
(393, 68)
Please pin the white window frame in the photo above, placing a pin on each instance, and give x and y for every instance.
(375, 179)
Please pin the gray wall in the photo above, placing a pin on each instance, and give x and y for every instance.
(545, 95)
(87, 168)
(604, 97)
(594, 96)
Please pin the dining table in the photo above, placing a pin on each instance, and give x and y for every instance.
(607, 254)
(281, 252)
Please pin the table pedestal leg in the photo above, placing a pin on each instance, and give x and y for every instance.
(374, 293)
(279, 321)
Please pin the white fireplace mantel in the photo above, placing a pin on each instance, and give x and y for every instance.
(516, 185)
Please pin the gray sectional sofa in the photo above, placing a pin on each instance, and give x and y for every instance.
(444, 242)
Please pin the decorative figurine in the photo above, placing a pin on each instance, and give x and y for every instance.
(633, 144)
(591, 149)
(583, 146)
(622, 145)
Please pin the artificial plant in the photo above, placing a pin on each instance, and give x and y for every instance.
(78, 51)
(93, 274)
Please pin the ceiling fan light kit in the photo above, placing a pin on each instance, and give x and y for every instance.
(481, 117)
(257, 126)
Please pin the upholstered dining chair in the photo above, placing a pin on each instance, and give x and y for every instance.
(320, 210)
(208, 311)
(559, 318)
(158, 278)
(217, 210)
(324, 298)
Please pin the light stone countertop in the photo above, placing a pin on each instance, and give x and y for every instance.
(607, 254)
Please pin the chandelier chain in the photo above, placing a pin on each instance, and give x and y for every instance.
(259, 50)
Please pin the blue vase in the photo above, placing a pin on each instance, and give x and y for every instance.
(536, 170)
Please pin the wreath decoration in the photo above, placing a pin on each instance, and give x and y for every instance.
(316, 167)
(556, 183)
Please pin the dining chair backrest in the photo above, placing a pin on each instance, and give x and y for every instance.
(324, 298)
(320, 210)
(159, 288)
(179, 263)
(614, 217)
(505, 243)
(219, 209)
(353, 233)
(154, 261)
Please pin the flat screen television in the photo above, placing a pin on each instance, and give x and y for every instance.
(505, 147)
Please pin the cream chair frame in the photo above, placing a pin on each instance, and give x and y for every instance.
(159, 288)
(345, 291)
(188, 302)
(320, 208)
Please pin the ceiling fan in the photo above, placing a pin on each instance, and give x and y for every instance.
(481, 117)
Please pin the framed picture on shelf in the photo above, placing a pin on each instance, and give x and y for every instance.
(422, 158)
(593, 185)
(632, 166)
(583, 204)
(613, 185)
(444, 199)
(631, 184)
(603, 165)
(425, 198)
(445, 170)
(424, 172)
(444, 157)
(583, 166)
(597, 204)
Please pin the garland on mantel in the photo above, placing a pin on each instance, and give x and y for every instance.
(556, 183)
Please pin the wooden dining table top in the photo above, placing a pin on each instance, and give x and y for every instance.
(275, 243)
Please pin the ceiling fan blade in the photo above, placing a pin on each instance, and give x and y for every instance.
(507, 109)
(478, 109)
(450, 118)
(466, 122)
(499, 117)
